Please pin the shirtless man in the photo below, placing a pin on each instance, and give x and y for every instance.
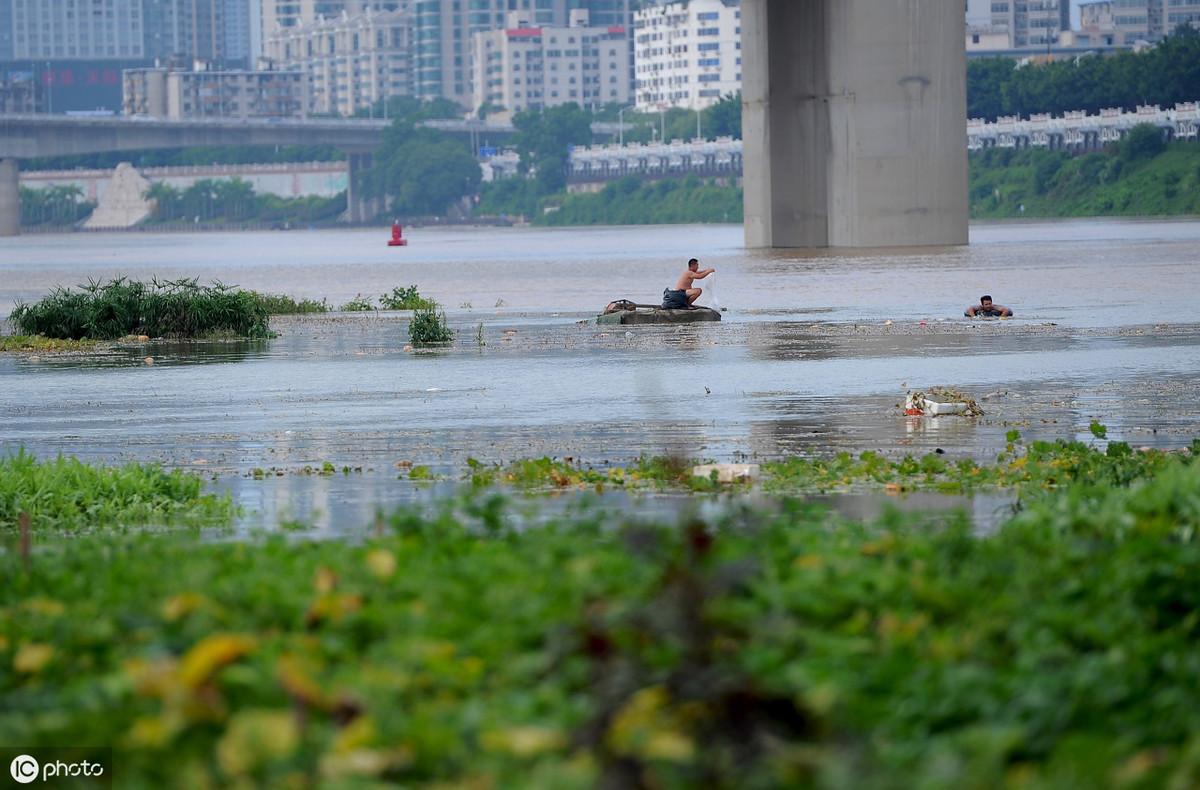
(685, 292)
(986, 309)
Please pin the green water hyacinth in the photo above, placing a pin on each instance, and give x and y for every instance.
(65, 494)
(772, 645)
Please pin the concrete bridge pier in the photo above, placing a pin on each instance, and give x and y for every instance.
(10, 198)
(357, 205)
(854, 116)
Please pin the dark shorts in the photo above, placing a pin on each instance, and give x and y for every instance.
(674, 300)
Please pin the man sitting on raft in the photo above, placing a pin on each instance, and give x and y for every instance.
(685, 292)
(986, 309)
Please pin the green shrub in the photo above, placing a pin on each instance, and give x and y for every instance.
(428, 326)
(404, 299)
(359, 304)
(172, 308)
(1046, 169)
(1144, 141)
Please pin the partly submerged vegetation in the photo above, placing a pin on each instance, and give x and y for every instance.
(174, 308)
(41, 344)
(67, 494)
(401, 298)
(774, 645)
(281, 304)
(429, 327)
(407, 298)
(1037, 466)
(359, 304)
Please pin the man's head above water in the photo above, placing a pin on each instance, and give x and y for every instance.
(987, 308)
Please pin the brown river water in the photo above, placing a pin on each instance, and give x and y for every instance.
(816, 350)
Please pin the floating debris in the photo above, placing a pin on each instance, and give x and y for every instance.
(728, 473)
(941, 401)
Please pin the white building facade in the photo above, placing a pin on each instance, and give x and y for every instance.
(1150, 20)
(687, 54)
(350, 62)
(197, 95)
(523, 66)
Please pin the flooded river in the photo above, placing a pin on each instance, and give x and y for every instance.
(804, 362)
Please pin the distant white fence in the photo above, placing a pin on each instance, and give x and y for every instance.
(1078, 131)
(722, 156)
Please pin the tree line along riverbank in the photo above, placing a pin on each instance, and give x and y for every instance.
(1141, 176)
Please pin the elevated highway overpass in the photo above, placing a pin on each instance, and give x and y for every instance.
(37, 136)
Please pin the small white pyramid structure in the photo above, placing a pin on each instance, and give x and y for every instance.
(123, 204)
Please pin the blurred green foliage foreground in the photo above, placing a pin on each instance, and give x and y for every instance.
(777, 645)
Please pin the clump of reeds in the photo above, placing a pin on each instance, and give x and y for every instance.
(281, 304)
(428, 326)
(167, 308)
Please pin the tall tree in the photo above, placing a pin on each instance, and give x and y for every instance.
(724, 119)
(1164, 75)
(544, 139)
(422, 171)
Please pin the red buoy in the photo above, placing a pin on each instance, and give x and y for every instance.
(396, 240)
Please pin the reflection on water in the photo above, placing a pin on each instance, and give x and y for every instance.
(159, 353)
(340, 505)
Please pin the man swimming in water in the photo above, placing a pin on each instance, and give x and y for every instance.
(685, 292)
(986, 309)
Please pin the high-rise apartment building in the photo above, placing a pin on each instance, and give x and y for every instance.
(523, 66)
(442, 29)
(1150, 20)
(605, 13)
(442, 32)
(349, 62)
(236, 32)
(1181, 12)
(1034, 23)
(1096, 28)
(278, 14)
(124, 30)
(72, 30)
(687, 54)
(192, 29)
(442, 39)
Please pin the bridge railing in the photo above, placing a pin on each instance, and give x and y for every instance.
(1078, 130)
